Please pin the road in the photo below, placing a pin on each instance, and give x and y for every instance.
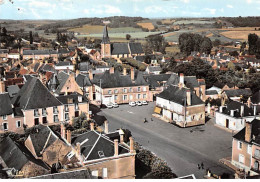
(182, 148)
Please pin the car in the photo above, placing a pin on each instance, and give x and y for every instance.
(115, 105)
(109, 105)
(132, 104)
(144, 102)
(139, 103)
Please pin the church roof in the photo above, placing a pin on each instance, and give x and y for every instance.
(105, 39)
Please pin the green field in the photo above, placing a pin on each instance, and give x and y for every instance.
(180, 22)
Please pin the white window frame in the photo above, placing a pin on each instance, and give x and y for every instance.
(109, 92)
(5, 117)
(6, 126)
(115, 97)
(125, 90)
(124, 97)
(238, 145)
(240, 157)
(94, 173)
(116, 91)
(144, 96)
(249, 149)
(54, 118)
(104, 172)
(17, 124)
(144, 89)
(130, 89)
(139, 89)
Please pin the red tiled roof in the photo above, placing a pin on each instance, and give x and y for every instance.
(48, 75)
(23, 72)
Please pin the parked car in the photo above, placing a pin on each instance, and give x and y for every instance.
(109, 105)
(144, 102)
(115, 105)
(132, 104)
(139, 103)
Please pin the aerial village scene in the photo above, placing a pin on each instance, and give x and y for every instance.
(129, 89)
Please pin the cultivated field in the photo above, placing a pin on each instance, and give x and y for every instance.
(180, 22)
(241, 35)
(147, 25)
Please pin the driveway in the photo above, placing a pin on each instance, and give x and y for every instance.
(182, 148)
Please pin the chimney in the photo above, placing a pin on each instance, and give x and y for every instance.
(116, 147)
(242, 110)
(77, 73)
(106, 127)
(232, 112)
(248, 131)
(68, 71)
(62, 131)
(132, 74)
(112, 70)
(131, 144)
(78, 148)
(124, 71)
(188, 94)
(92, 128)
(249, 102)
(221, 109)
(181, 80)
(2, 86)
(69, 136)
(90, 74)
(254, 110)
(121, 138)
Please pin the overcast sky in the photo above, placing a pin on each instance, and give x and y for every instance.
(69, 9)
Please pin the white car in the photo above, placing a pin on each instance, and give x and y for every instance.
(109, 105)
(139, 103)
(132, 104)
(144, 102)
(115, 105)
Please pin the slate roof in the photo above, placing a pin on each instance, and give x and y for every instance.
(234, 105)
(97, 142)
(3, 51)
(40, 137)
(211, 92)
(37, 52)
(83, 80)
(105, 38)
(64, 98)
(36, 66)
(13, 90)
(119, 48)
(62, 78)
(85, 66)
(154, 68)
(255, 134)
(16, 156)
(34, 95)
(189, 81)
(6, 105)
(63, 63)
(154, 80)
(238, 92)
(178, 95)
(256, 98)
(136, 48)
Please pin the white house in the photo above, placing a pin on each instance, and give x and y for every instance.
(63, 66)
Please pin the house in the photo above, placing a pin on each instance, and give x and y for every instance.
(64, 66)
(121, 89)
(246, 148)
(11, 119)
(105, 158)
(213, 92)
(234, 115)
(40, 54)
(153, 70)
(14, 54)
(18, 160)
(119, 50)
(181, 106)
(235, 94)
(48, 146)
(85, 84)
(254, 101)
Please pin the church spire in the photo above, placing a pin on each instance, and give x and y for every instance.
(105, 39)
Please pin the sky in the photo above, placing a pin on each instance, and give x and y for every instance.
(70, 9)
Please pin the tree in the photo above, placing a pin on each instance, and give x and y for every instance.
(128, 37)
(4, 31)
(206, 45)
(252, 40)
(243, 46)
(156, 43)
(234, 53)
(216, 42)
(31, 37)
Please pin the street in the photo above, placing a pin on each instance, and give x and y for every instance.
(182, 148)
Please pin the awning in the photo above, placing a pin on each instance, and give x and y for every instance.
(158, 110)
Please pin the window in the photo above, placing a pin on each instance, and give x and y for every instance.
(116, 91)
(101, 154)
(66, 107)
(5, 126)
(76, 106)
(241, 158)
(138, 96)
(144, 89)
(55, 118)
(67, 116)
(4, 117)
(116, 97)
(109, 92)
(125, 97)
(36, 112)
(104, 172)
(239, 145)
(125, 90)
(139, 89)
(257, 153)
(144, 96)
(131, 97)
(44, 112)
(55, 110)
(18, 124)
(95, 174)
(130, 89)
(249, 149)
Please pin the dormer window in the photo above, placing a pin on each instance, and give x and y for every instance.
(116, 91)
(109, 92)
(4, 117)
(44, 112)
(55, 109)
(76, 106)
(66, 108)
(125, 90)
(139, 89)
(101, 154)
(36, 113)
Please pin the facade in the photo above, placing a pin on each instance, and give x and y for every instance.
(246, 148)
(234, 115)
(120, 89)
(153, 70)
(235, 94)
(181, 106)
(86, 86)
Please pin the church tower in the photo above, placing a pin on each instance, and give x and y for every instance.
(105, 44)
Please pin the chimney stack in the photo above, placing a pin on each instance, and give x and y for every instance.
(254, 110)
(132, 74)
(221, 109)
(181, 80)
(77, 73)
(69, 136)
(112, 70)
(106, 127)
(62, 131)
(68, 71)
(188, 97)
(249, 102)
(131, 144)
(92, 126)
(2, 86)
(116, 147)
(232, 113)
(78, 148)
(121, 133)
(124, 71)
(90, 74)
(248, 131)
(242, 110)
